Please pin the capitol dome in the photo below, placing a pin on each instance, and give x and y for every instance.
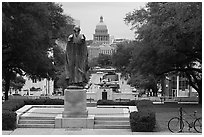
(101, 25)
(101, 35)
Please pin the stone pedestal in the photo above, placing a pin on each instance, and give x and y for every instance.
(77, 122)
(74, 103)
(75, 114)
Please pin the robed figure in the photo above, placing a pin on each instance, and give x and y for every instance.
(76, 65)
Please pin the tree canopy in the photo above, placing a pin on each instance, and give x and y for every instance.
(29, 31)
(104, 60)
(170, 34)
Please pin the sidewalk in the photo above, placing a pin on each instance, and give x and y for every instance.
(78, 131)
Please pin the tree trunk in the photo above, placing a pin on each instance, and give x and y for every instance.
(200, 92)
(200, 97)
(7, 85)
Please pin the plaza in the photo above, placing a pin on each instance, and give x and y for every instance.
(116, 68)
(161, 127)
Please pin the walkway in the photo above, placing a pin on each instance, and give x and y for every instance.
(78, 131)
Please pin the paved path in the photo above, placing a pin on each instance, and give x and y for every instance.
(78, 131)
(52, 112)
(95, 79)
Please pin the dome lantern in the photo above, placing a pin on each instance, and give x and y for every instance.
(101, 19)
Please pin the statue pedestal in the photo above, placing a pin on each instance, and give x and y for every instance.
(74, 103)
(75, 114)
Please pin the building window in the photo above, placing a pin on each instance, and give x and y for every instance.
(183, 83)
(34, 81)
(174, 82)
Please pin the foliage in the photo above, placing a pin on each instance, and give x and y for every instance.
(144, 104)
(60, 81)
(93, 62)
(121, 58)
(18, 83)
(8, 113)
(170, 36)
(59, 55)
(142, 121)
(10, 106)
(13, 104)
(29, 31)
(111, 102)
(8, 120)
(144, 82)
(44, 102)
(104, 60)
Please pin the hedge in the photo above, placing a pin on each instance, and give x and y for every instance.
(144, 104)
(44, 102)
(144, 120)
(111, 102)
(8, 120)
(13, 104)
(10, 106)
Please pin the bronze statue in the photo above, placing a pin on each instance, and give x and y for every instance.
(76, 65)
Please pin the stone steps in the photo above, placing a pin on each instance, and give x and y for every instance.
(36, 125)
(101, 122)
(111, 126)
(36, 118)
(36, 122)
(112, 122)
(111, 118)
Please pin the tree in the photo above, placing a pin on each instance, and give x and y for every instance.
(142, 81)
(93, 62)
(104, 60)
(18, 83)
(29, 32)
(171, 40)
(121, 58)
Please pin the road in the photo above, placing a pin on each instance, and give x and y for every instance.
(95, 79)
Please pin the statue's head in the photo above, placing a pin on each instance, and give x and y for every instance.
(77, 28)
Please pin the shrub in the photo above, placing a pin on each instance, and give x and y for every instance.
(111, 102)
(54, 102)
(13, 104)
(8, 114)
(142, 121)
(105, 102)
(8, 120)
(35, 101)
(44, 102)
(133, 102)
(144, 104)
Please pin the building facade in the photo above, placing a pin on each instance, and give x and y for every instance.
(102, 42)
(101, 35)
(44, 86)
(177, 85)
(107, 49)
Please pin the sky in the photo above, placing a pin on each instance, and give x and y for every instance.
(113, 16)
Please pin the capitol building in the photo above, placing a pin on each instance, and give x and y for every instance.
(102, 41)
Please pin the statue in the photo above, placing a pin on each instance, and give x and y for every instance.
(76, 65)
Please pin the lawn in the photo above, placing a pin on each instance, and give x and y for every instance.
(164, 112)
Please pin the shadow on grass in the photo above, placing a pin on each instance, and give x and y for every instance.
(164, 112)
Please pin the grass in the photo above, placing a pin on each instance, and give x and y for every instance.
(166, 111)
